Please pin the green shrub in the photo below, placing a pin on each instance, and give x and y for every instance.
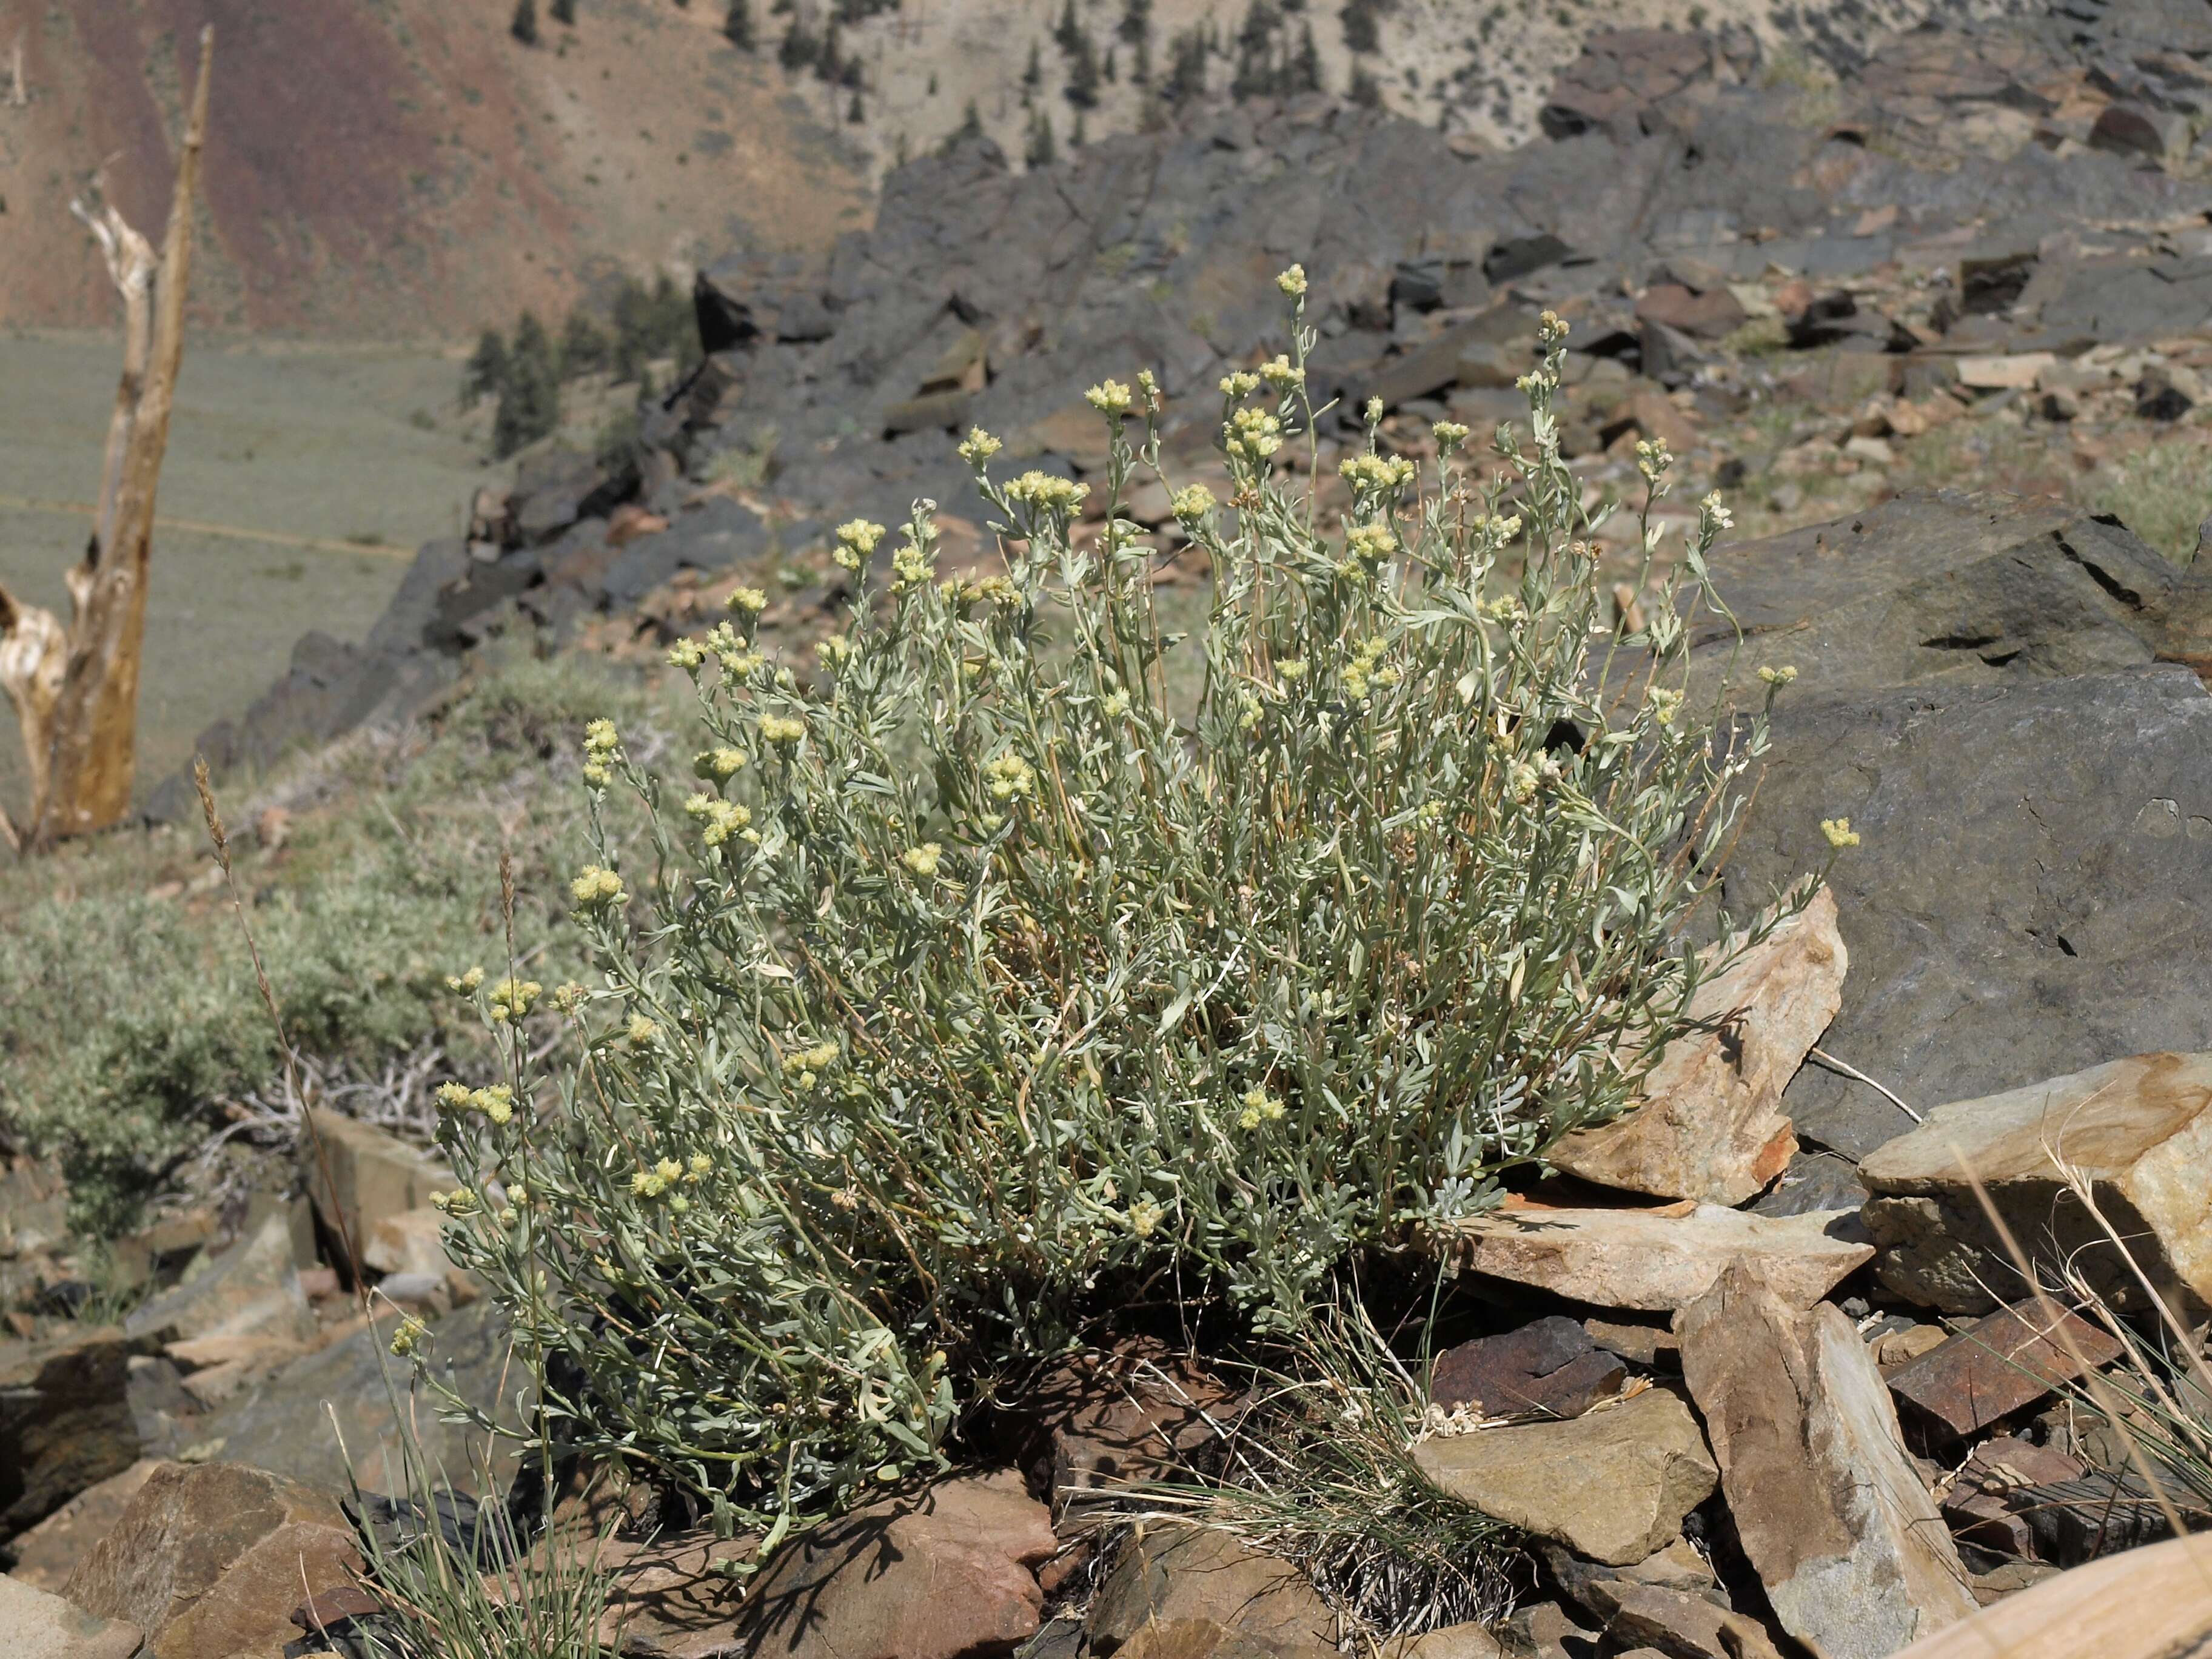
(980, 982)
(133, 1022)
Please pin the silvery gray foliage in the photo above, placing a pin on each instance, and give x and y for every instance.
(981, 981)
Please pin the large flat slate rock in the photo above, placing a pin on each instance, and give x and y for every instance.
(2033, 892)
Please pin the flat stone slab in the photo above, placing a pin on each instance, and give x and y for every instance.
(2010, 1359)
(1659, 1260)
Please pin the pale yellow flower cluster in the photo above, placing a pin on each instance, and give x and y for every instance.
(1377, 472)
(1840, 833)
(750, 601)
(1109, 397)
(1191, 503)
(718, 765)
(1009, 776)
(464, 983)
(856, 541)
(595, 887)
(601, 746)
(922, 860)
(515, 998)
(781, 729)
(1253, 434)
(1260, 1107)
(978, 446)
(806, 1066)
(495, 1102)
(719, 819)
(1042, 491)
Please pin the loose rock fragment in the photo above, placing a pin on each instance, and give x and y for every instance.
(1710, 1127)
(1612, 1485)
(1853, 1553)
(2139, 1131)
(1659, 1260)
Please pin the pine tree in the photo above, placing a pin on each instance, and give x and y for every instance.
(1033, 71)
(738, 27)
(799, 48)
(1136, 23)
(1365, 90)
(525, 25)
(1039, 151)
(1363, 30)
(1068, 32)
(971, 126)
(1082, 75)
(1305, 68)
(1075, 139)
(1140, 71)
(530, 400)
(584, 346)
(855, 114)
(829, 62)
(1186, 67)
(486, 370)
(563, 12)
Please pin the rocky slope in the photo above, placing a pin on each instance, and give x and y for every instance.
(411, 169)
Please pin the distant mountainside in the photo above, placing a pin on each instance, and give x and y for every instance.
(408, 168)
(402, 168)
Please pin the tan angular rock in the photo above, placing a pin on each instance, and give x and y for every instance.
(1853, 1552)
(210, 1558)
(945, 1575)
(1453, 1641)
(2139, 1129)
(412, 1241)
(35, 1624)
(1658, 1260)
(251, 1290)
(2141, 1604)
(1178, 1575)
(358, 1174)
(1613, 1484)
(1711, 1126)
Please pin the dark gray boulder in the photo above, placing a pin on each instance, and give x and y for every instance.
(714, 536)
(1951, 588)
(2032, 893)
(291, 1422)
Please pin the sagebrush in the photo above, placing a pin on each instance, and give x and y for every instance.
(983, 981)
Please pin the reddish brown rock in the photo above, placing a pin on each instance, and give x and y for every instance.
(1830, 1510)
(1710, 1127)
(948, 1574)
(1100, 1419)
(1995, 1367)
(1990, 1502)
(1712, 315)
(1552, 1367)
(210, 1558)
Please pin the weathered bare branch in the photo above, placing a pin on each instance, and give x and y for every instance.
(76, 688)
(20, 99)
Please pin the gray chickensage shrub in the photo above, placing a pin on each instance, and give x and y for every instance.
(978, 982)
